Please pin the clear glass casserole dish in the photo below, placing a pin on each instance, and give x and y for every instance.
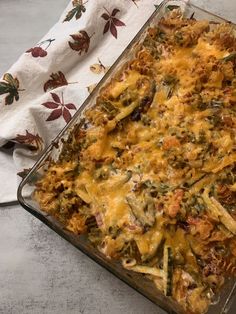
(27, 186)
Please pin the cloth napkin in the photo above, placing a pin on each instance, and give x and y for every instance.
(40, 93)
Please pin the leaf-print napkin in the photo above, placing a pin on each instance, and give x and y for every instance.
(43, 89)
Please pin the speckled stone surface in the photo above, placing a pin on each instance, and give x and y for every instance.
(40, 273)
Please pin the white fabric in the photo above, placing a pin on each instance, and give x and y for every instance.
(28, 114)
(8, 185)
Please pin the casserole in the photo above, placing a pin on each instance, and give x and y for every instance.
(147, 122)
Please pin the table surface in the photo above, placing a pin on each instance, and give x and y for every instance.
(41, 273)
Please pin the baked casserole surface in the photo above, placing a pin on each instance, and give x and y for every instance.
(150, 176)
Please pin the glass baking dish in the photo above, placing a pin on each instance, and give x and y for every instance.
(25, 191)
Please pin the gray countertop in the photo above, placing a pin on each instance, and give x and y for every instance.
(41, 273)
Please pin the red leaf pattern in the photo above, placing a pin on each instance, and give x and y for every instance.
(112, 22)
(59, 108)
(117, 22)
(55, 114)
(66, 115)
(106, 27)
(114, 12)
(70, 106)
(113, 30)
(105, 16)
(50, 105)
(56, 98)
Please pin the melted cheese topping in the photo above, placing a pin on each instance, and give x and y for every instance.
(129, 81)
(206, 50)
(161, 136)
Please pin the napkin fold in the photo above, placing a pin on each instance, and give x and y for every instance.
(40, 93)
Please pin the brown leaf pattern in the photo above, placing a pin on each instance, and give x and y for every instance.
(34, 142)
(59, 108)
(56, 80)
(81, 42)
(77, 11)
(10, 85)
(98, 68)
(111, 21)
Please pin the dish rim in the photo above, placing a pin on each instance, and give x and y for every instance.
(66, 234)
